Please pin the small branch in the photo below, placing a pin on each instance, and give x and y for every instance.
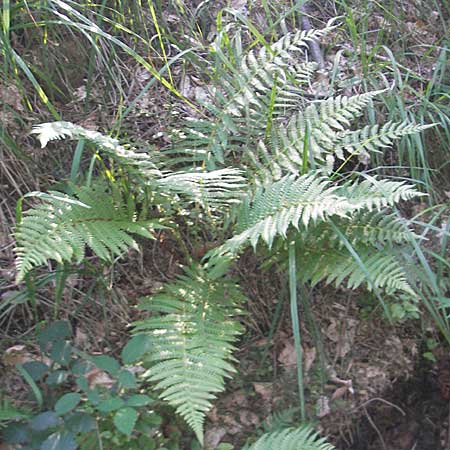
(313, 45)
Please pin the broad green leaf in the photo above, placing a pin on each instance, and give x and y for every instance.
(125, 420)
(106, 363)
(57, 377)
(36, 369)
(80, 422)
(57, 331)
(60, 441)
(135, 348)
(45, 420)
(139, 400)
(61, 353)
(66, 403)
(110, 404)
(127, 379)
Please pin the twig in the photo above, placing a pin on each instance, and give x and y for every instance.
(372, 423)
(383, 401)
(313, 44)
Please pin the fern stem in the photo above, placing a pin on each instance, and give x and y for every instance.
(296, 328)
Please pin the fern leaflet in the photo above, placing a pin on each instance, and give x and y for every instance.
(190, 341)
(301, 438)
(60, 228)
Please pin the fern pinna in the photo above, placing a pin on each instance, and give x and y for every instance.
(301, 438)
(189, 337)
(60, 227)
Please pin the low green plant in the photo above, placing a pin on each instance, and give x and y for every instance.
(289, 200)
(104, 405)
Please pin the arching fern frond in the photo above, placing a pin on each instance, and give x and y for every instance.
(209, 189)
(60, 228)
(254, 90)
(375, 194)
(288, 202)
(301, 438)
(372, 137)
(337, 266)
(321, 133)
(140, 163)
(292, 201)
(367, 227)
(190, 341)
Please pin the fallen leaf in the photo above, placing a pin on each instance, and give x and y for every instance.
(213, 436)
(265, 390)
(97, 377)
(287, 356)
(339, 392)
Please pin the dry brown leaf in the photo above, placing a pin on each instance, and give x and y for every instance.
(287, 356)
(97, 377)
(248, 418)
(309, 356)
(265, 390)
(339, 392)
(17, 354)
(322, 406)
(213, 436)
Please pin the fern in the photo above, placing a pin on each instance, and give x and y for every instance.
(280, 420)
(254, 89)
(60, 228)
(291, 201)
(320, 133)
(301, 438)
(190, 337)
(209, 189)
(368, 227)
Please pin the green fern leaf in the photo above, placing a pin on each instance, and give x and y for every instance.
(60, 228)
(190, 341)
(301, 438)
(255, 89)
(288, 202)
(322, 128)
(211, 189)
(337, 266)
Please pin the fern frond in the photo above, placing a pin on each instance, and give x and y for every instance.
(367, 227)
(134, 161)
(301, 438)
(297, 202)
(263, 86)
(191, 343)
(337, 266)
(288, 202)
(373, 137)
(321, 132)
(280, 420)
(60, 228)
(375, 194)
(208, 189)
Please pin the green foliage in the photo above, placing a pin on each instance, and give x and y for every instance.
(287, 192)
(306, 200)
(9, 413)
(254, 88)
(301, 438)
(207, 188)
(61, 226)
(189, 341)
(104, 405)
